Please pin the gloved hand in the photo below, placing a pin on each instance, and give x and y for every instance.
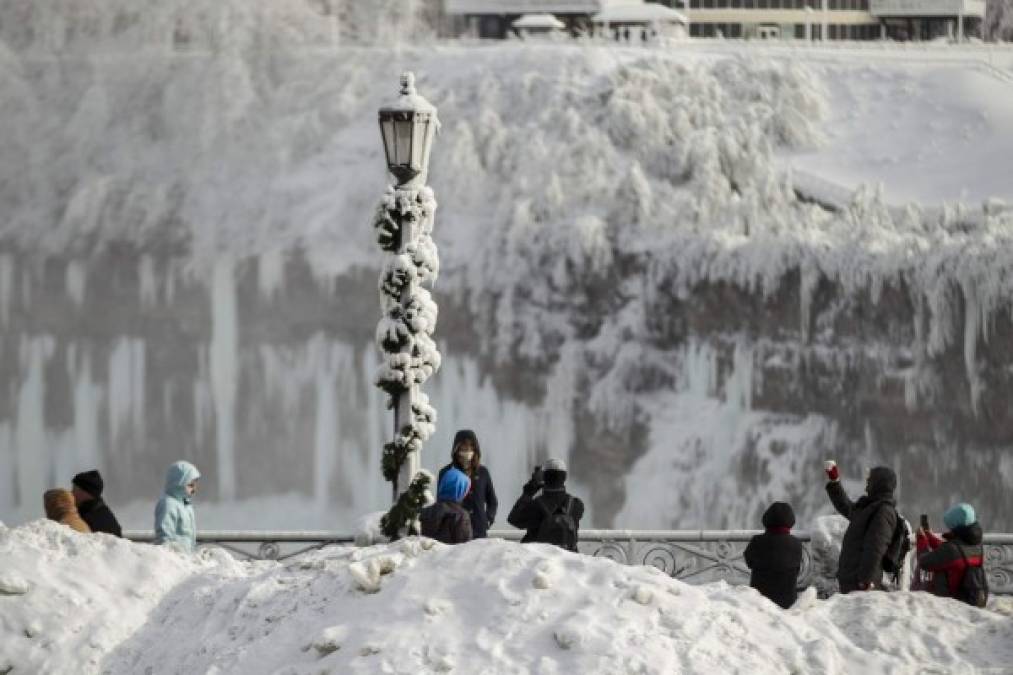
(535, 484)
(833, 473)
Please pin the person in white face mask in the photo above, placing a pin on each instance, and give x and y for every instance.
(480, 502)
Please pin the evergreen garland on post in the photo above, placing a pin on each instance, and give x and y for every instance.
(404, 224)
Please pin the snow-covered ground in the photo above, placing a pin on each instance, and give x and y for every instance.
(91, 604)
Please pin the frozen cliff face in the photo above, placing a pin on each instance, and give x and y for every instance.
(629, 278)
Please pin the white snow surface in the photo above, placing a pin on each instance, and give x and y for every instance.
(99, 604)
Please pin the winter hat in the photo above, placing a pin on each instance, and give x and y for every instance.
(554, 472)
(960, 515)
(882, 480)
(779, 514)
(554, 464)
(454, 485)
(89, 481)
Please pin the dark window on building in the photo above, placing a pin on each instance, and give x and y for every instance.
(721, 4)
(735, 30)
(736, 4)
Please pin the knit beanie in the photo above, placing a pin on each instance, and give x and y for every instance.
(960, 515)
(89, 481)
(779, 514)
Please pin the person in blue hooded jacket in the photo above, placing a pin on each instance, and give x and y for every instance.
(175, 521)
(446, 520)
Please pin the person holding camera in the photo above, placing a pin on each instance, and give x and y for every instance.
(552, 517)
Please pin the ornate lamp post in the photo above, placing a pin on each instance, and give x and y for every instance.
(404, 224)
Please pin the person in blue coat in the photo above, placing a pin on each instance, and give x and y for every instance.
(480, 502)
(175, 521)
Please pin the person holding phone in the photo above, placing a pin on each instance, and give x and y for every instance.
(872, 520)
(950, 557)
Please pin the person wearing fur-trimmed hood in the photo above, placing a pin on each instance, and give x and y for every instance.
(480, 502)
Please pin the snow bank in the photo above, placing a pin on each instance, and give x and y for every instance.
(66, 600)
(418, 606)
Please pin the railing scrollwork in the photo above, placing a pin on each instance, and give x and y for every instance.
(695, 556)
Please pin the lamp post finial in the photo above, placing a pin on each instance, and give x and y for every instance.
(408, 83)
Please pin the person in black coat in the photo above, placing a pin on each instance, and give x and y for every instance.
(480, 503)
(530, 512)
(87, 490)
(775, 557)
(873, 520)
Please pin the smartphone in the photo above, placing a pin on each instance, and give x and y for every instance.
(538, 476)
(925, 522)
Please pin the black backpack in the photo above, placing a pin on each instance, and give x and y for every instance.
(558, 527)
(900, 545)
(973, 588)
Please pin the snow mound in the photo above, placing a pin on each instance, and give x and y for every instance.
(488, 606)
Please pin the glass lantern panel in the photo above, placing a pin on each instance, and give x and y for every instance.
(430, 133)
(403, 142)
(419, 142)
(387, 131)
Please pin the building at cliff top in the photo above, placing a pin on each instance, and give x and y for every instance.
(765, 19)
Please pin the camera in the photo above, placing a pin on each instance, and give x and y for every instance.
(538, 476)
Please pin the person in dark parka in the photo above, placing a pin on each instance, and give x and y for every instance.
(775, 557)
(87, 489)
(948, 558)
(530, 512)
(446, 520)
(480, 503)
(873, 519)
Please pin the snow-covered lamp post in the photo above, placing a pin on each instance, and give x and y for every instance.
(404, 224)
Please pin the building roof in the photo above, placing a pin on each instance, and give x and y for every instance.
(536, 21)
(639, 12)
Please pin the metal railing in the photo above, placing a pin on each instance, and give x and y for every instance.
(696, 556)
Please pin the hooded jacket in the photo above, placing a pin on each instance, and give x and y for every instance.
(481, 502)
(775, 557)
(873, 519)
(945, 557)
(446, 520)
(175, 521)
(60, 507)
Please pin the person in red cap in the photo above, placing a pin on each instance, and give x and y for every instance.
(87, 490)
